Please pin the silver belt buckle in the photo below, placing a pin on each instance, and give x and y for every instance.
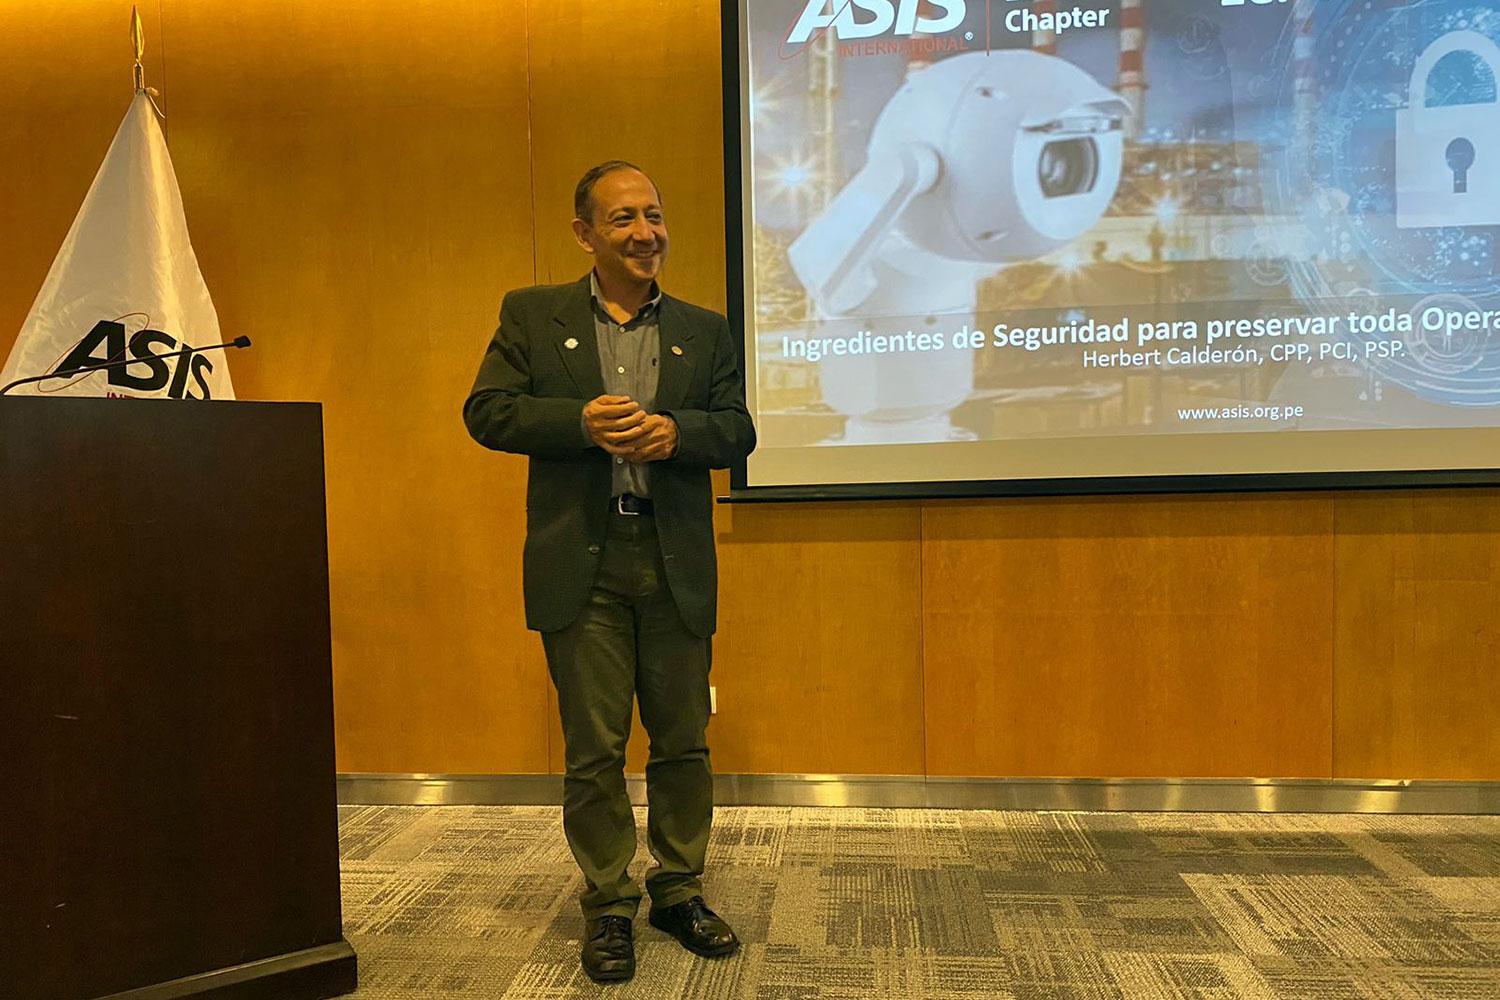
(620, 507)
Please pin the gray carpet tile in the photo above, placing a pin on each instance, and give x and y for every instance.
(470, 902)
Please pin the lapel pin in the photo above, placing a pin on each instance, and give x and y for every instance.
(677, 350)
(571, 343)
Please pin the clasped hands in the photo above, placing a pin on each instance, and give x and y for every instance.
(619, 426)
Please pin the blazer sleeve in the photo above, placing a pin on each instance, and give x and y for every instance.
(502, 413)
(722, 434)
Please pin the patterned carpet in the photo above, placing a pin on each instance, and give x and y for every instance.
(461, 902)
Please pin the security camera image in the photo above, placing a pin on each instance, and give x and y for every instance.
(1000, 239)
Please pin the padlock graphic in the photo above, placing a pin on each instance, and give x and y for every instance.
(1448, 158)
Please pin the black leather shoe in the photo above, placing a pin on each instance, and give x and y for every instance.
(609, 950)
(696, 927)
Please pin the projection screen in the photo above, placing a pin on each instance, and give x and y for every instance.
(1000, 246)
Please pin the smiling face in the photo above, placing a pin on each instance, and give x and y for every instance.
(627, 234)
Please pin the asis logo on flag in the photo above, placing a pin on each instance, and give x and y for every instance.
(159, 360)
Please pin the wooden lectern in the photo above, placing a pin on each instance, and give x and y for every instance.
(169, 828)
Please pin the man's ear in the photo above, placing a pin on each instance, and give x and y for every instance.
(583, 233)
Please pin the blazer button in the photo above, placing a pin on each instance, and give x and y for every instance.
(593, 550)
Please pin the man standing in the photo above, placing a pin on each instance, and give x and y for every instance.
(624, 398)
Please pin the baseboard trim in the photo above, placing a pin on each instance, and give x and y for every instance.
(1263, 795)
(313, 974)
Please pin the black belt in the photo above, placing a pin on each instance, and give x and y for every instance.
(629, 503)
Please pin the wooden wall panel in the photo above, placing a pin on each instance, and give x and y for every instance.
(65, 84)
(1417, 648)
(357, 178)
(1186, 636)
(818, 662)
(637, 82)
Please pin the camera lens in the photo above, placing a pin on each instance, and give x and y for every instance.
(1068, 166)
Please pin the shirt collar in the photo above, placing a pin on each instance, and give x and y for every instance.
(650, 305)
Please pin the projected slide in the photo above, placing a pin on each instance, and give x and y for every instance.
(1006, 240)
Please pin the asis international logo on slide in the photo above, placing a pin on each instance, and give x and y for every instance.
(865, 19)
(869, 18)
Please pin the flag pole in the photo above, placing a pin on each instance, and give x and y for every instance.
(138, 42)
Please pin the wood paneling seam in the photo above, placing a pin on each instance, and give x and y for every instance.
(922, 626)
(1333, 638)
(531, 166)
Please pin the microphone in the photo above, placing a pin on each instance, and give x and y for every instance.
(240, 341)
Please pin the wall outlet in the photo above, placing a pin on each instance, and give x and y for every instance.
(713, 700)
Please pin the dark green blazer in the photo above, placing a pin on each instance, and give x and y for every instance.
(529, 398)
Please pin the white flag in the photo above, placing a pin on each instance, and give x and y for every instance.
(125, 284)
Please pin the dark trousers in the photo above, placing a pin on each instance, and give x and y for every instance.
(629, 643)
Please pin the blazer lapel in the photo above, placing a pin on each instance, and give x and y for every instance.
(575, 326)
(678, 357)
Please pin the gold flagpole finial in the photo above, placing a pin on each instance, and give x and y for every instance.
(138, 42)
